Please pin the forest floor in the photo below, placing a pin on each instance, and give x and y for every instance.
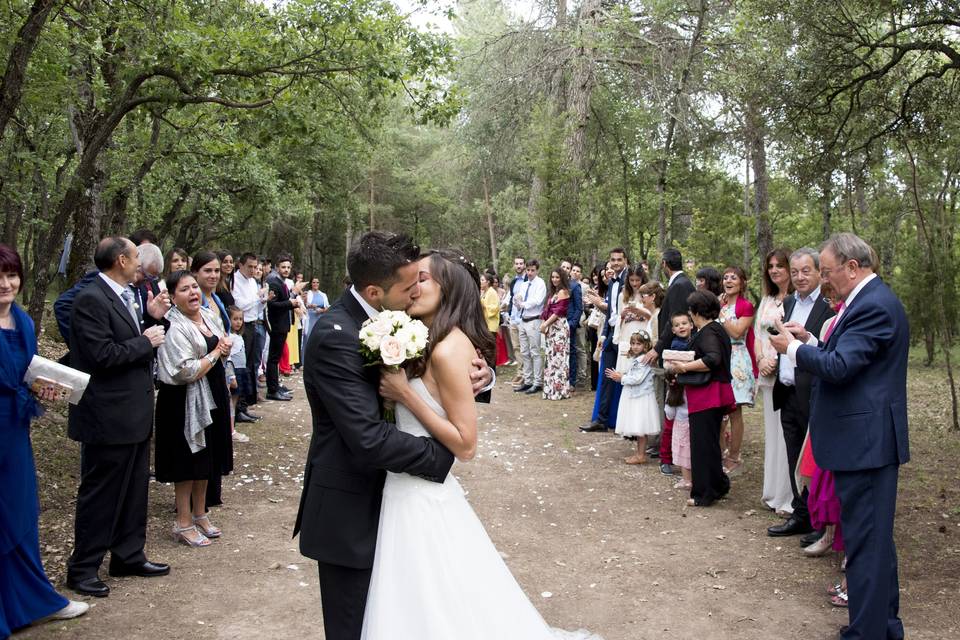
(596, 544)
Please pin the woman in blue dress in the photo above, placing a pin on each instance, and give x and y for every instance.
(26, 595)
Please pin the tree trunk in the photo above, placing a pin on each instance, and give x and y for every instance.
(673, 108)
(578, 102)
(11, 87)
(826, 201)
(490, 226)
(761, 199)
(747, 214)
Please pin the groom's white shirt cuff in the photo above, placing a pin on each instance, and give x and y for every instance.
(373, 313)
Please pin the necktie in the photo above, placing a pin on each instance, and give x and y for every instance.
(127, 296)
(833, 322)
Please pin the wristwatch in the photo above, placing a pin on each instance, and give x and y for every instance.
(211, 358)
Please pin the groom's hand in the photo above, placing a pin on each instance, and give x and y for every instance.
(482, 375)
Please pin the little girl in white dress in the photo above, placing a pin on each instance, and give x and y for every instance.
(638, 415)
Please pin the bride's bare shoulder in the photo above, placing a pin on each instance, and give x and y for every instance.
(455, 347)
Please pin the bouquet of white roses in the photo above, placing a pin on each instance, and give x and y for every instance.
(391, 339)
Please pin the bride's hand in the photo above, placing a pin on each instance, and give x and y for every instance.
(393, 384)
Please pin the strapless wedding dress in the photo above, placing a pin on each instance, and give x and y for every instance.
(436, 574)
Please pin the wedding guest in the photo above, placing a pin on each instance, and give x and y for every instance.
(529, 299)
(556, 376)
(249, 298)
(791, 389)
(504, 331)
(708, 400)
(634, 316)
(858, 421)
(736, 316)
(595, 318)
(579, 341)
(491, 311)
(177, 260)
(777, 494)
(638, 415)
(316, 304)
(236, 368)
(295, 335)
(26, 595)
(112, 422)
(679, 288)
(608, 395)
(224, 289)
(651, 298)
(574, 312)
(516, 314)
(206, 270)
(193, 444)
(143, 235)
(279, 309)
(709, 279)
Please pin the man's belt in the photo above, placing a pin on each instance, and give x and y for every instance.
(531, 319)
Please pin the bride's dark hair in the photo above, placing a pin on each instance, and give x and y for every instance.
(460, 306)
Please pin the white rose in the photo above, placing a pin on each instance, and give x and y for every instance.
(409, 340)
(391, 351)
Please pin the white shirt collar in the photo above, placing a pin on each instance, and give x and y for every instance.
(814, 295)
(857, 289)
(113, 284)
(371, 312)
(673, 277)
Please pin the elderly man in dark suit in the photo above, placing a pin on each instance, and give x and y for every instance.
(858, 424)
(113, 422)
(791, 390)
(352, 446)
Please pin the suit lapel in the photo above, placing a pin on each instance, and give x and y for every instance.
(114, 300)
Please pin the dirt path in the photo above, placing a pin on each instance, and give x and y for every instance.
(596, 544)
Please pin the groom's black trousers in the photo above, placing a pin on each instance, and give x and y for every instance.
(343, 592)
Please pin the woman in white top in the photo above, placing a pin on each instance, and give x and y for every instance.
(634, 316)
(777, 494)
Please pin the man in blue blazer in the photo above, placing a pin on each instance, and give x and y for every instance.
(858, 424)
(574, 311)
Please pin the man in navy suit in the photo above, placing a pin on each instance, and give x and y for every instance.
(858, 424)
(574, 311)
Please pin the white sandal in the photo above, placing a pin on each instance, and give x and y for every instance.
(180, 535)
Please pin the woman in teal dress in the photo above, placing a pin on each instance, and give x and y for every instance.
(26, 595)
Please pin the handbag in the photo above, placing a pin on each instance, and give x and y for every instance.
(694, 378)
(595, 321)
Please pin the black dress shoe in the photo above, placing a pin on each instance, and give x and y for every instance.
(283, 388)
(145, 569)
(279, 396)
(523, 388)
(243, 417)
(252, 416)
(810, 538)
(792, 527)
(593, 427)
(89, 587)
(533, 390)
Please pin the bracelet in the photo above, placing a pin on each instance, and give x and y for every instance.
(211, 358)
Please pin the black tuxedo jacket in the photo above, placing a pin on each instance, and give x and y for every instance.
(117, 407)
(278, 309)
(802, 380)
(351, 445)
(674, 302)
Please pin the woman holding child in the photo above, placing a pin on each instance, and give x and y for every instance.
(709, 398)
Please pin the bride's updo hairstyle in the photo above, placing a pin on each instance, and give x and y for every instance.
(460, 306)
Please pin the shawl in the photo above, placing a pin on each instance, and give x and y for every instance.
(178, 363)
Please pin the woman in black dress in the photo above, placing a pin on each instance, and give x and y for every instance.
(193, 444)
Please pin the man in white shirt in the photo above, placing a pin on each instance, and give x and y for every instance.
(520, 269)
(248, 297)
(528, 300)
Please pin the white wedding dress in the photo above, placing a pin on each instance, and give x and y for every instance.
(436, 574)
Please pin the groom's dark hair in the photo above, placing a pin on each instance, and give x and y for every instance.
(376, 256)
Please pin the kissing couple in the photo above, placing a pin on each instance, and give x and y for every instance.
(401, 554)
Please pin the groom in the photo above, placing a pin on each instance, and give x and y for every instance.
(352, 446)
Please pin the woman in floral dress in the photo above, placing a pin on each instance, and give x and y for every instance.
(736, 315)
(556, 371)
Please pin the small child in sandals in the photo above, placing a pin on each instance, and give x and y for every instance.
(638, 414)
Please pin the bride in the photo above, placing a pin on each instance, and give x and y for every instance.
(436, 573)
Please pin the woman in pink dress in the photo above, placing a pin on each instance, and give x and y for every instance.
(556, 370)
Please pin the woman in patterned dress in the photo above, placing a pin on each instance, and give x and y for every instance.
(736, 315)
(556, 371)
